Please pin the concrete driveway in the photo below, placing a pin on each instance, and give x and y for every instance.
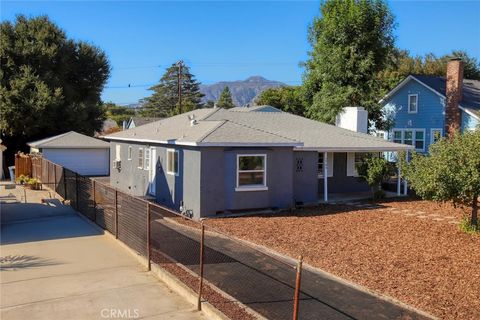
(55, 265)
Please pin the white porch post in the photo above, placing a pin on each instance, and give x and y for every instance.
(405, 184)
(325, 176)
(399, 177)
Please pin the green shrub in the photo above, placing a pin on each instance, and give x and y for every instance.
(467, 226)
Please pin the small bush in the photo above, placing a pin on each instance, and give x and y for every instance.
(378, 195)
(467, 227)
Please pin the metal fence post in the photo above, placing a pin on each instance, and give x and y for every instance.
(94, 203)
(76, 191)
(148, 236)
(116, 214)
(200, 284)
(55, 178)
(64, 184)
(298, 281)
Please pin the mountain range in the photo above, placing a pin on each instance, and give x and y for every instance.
(243, 91)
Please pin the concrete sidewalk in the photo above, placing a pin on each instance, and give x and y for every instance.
(61, 267)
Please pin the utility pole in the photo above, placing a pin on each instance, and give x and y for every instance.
(180, 66)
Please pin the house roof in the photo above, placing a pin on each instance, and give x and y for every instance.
(253, 127)
(470, 94)
(140, 121)
(70, 140)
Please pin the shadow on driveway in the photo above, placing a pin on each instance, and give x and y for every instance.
(27, 222)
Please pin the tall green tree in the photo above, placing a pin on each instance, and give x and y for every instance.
(451, 172)
(288, 99)
(49, 84)
(118, 113)
(164, 101)
(401, 64)
(225, 100)
(351, 41)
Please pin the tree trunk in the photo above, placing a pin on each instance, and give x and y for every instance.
(474, 220)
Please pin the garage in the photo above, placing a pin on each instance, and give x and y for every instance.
(75, 151)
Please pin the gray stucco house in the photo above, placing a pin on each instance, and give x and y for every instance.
(211, 161)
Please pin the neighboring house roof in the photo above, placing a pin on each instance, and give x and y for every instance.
(70, 140)
(228, 127)
(470, 94)
(140, 121)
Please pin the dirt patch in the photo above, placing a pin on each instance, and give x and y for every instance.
(424, 262)
(231, 309)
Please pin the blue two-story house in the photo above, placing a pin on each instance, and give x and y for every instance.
(425, 108)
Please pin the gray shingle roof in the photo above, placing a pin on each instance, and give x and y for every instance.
(70, 140)
(220, 127)
(471, 91)
(140, 121)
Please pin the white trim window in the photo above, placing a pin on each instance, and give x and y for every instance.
(413, 103)
(140, 158)
(408, 137)
(412, 137)
(129, 153)
(118, 152)
(354, 159)
(172, 162)
(420, 140)
(321, 162)
(251, 172)
(320, 165)
(397, 136)
(435, 135)
(146, 165)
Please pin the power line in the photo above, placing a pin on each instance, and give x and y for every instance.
(215, 64)
(201, 82)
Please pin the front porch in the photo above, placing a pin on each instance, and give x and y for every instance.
(334, 198)
(338, 180)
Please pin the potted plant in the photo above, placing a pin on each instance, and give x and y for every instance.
(23, 179)
(34, 184)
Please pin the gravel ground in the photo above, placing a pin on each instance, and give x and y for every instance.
(410, 250)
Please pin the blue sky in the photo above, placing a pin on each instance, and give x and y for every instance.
(231, 40)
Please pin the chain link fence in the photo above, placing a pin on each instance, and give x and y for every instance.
(236, 277)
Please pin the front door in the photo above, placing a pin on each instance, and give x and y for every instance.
(153, 171)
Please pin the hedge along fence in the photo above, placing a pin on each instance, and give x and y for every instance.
(219, 269)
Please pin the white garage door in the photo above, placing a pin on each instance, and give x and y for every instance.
(88, 162)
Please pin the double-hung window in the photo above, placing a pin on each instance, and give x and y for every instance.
(408, 137)
(140, 158)
(172, 161)
(146, 165)
(320, 165)
(412, 137)
(419, 140)
(129, 155)
(251, 172)
(397, 136)
(412, 103)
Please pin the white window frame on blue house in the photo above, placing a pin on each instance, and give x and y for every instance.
(252, 187)
(432, 134)
(410, 104)
(414, 137)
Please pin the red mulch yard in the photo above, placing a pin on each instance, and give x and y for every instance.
(410, 250)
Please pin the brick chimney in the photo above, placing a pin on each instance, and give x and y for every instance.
(454, 95)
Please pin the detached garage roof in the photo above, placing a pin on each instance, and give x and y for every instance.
(70, 140)
(259, 126)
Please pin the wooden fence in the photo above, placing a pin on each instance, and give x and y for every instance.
(23, 165)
